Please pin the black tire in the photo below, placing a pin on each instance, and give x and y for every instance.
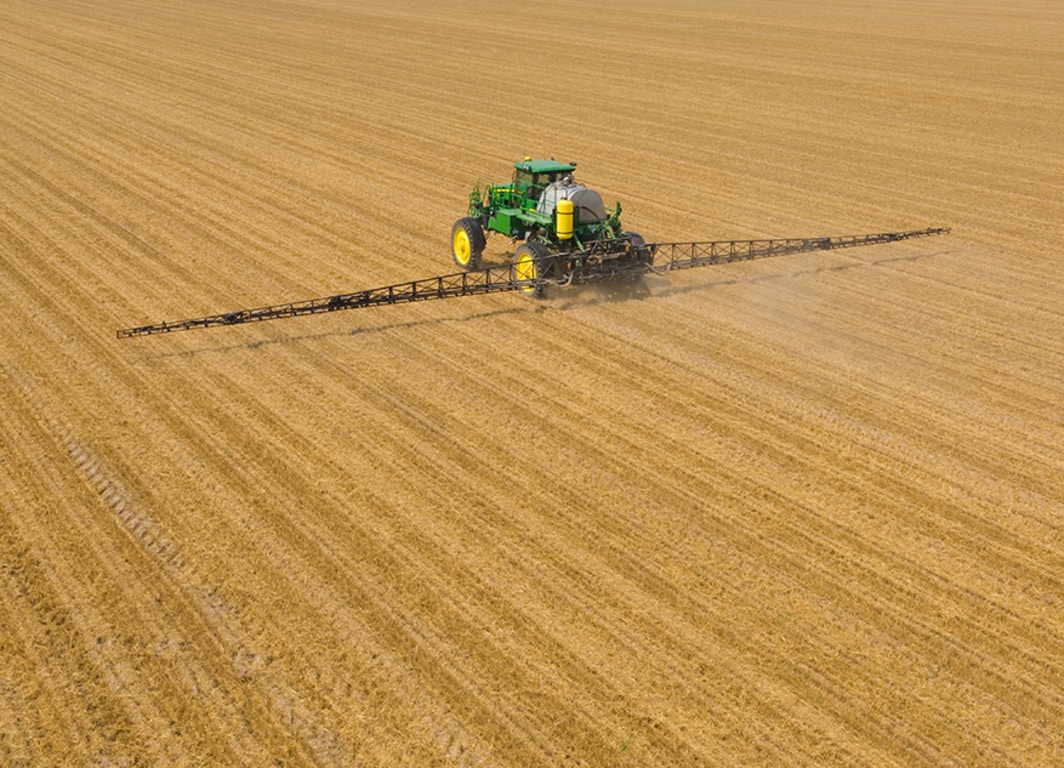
(467, 243)
(531, 262)
(639, 247)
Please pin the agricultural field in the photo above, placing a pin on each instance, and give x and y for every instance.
(803, 511)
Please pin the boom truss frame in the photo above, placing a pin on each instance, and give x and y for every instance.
(662, 258)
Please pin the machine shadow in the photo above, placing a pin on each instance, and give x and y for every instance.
(357, 331)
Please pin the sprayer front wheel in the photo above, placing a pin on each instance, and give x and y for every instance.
(467, 243)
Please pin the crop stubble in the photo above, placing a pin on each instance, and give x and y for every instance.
(802, 511)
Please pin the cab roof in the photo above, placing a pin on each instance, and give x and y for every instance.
(544, 166)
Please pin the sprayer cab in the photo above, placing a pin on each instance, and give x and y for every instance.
(531, 177)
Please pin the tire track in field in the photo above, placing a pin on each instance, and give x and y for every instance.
(108, 487)
(192, 608)
(68, 620)
(209, 610)
(451, 743)
(214, 630)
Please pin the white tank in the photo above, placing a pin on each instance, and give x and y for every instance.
(587, 202)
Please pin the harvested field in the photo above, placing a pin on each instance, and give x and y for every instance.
(801, 511)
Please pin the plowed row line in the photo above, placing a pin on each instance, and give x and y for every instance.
(230, 639)
(797, 512)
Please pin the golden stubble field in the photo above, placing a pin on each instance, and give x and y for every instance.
(804, 511)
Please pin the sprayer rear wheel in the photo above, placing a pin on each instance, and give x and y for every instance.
(529, 265)
(638, 245)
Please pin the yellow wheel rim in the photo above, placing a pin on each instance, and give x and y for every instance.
(525, 270)
(463, 249)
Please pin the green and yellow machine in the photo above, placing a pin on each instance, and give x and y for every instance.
(549, 213)
(567, 237)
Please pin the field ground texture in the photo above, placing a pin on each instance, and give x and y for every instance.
(801, 511)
